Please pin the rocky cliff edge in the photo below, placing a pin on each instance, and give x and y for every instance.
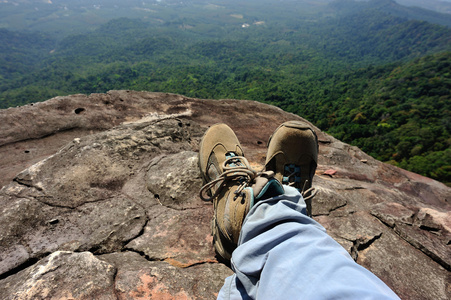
(100, 201)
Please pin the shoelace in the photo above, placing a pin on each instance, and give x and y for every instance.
(238, 166)
(286, 180)
(234, 168)
(313, 191)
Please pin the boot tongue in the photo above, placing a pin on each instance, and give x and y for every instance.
(233, 162)
(212, 170)
(266, 186)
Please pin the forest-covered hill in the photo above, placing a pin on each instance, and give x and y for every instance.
(363, 71)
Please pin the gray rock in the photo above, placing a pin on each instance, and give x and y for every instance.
(103, 202)
(138, 278)
(180, 237)
(62, 275)
(175, 180)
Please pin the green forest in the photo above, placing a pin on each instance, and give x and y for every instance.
(373, 74)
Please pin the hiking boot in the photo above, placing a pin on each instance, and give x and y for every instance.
(231, 184)
(226, 173)
(293, 157)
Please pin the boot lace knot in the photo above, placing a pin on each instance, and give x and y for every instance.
(235, 168)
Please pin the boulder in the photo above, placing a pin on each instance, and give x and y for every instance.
(100, 201)
(63, 275)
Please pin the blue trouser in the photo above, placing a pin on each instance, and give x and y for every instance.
(284, 254)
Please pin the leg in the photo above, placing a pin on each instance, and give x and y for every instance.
(278, 251)
(284, 254)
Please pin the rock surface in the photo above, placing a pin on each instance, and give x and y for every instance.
(100, 201)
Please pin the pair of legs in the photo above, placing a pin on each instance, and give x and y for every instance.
(262, 226)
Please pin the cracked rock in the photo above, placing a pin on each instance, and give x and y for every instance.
(182, 238)
(175, 180)
(138, 278)
(62, 275)
(120, 179)
(428, 230)
(104, 226)
(329, 201)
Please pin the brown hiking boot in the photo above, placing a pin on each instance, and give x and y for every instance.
(293, 157)
(227, 175)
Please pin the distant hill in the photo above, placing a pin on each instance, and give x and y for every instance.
(392, 7)
(20, 50)
(436, 5)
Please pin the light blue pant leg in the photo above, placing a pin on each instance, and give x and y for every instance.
(284, 254)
